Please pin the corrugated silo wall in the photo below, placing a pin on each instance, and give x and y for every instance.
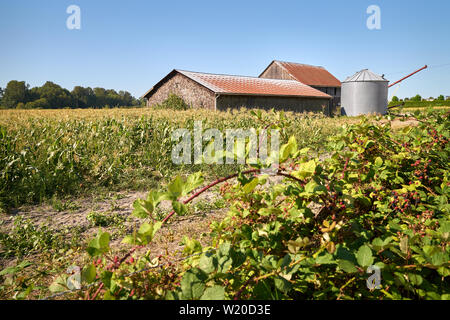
(297, 104)
(364, 97)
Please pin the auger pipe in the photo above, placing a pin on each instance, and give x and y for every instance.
(409, 75)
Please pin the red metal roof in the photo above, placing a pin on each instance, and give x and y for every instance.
(229, 84)
(310, 75)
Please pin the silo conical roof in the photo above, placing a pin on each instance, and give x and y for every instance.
(365, 75)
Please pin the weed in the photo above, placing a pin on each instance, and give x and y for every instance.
(104, 219)
(60, 205)
(25, 238)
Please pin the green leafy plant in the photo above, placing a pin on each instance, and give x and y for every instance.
(20, 286)
(173, 102)
(104, 219)
(25, 238)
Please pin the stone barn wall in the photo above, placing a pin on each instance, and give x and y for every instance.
(190, 91)
(298, 104)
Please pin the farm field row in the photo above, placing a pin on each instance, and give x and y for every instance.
(53, 153)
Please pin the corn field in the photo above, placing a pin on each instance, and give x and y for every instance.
(46, 153)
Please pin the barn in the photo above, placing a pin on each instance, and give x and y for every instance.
(221, 92)
(313, 76)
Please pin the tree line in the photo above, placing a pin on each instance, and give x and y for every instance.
(418, 97)
(18, 94)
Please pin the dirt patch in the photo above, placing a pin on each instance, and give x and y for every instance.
(399, 124)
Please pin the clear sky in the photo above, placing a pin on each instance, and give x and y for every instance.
(130, 45)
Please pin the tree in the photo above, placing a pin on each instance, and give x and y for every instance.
(15, 92)
(37, 104)
(33, 94)
(394, 99)
(56, 96)
(440, 98)
(417, 97)
(100, 97)
(51, 95)
(112, 98)
(83, 97)
(126, 98)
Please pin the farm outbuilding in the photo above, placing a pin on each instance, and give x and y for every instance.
(363, 93)
(313, 76)
(220, 92)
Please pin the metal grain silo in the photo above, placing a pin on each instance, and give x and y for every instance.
(363, 93)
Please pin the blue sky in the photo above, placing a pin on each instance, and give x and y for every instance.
(131, 45)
